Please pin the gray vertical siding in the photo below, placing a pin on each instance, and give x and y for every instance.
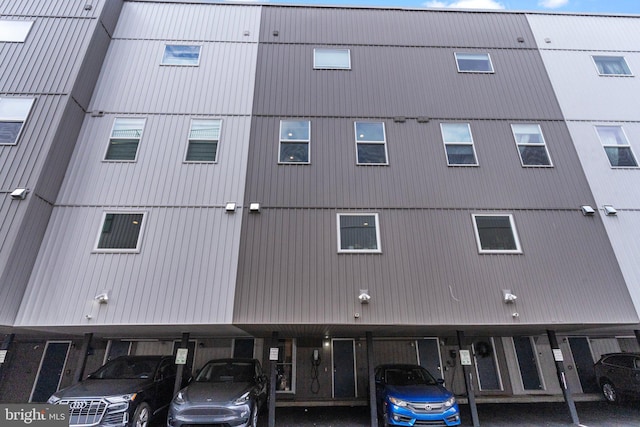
(53, 8)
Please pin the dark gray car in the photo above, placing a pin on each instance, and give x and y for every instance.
(618, 375)
(225, 392)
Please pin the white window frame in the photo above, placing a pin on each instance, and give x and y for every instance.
(359, 251)
(111, 137)
(162, 58)
(189, 139)
(459, 143)
(627, 145)
(15, 118)
(138, 247)
(514, 231)
(371, 142)
(297, 141)
(14, 31)
(624, 60)
(491, 71)
(317, 66)
(294, 349)
(527, 144)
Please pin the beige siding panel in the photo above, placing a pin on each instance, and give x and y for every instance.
(159, 177)
(184, 273)
(429, 272)
(132, 80)
(189, 22)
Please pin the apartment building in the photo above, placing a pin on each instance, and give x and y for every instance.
(368, 183)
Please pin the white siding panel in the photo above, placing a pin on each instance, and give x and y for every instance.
(188, 22)
(159, 176)
(132, 80)
(184, 273)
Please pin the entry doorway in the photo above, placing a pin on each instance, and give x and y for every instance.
(487, 369)
(50, 370)
(583, 361)
(429, 356)
(344, 368)
(528, 363)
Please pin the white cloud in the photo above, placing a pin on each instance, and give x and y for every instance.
(471, 4)
(553, 4)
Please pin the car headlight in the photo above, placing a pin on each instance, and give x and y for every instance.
(53, 399)
(179, 399)
(242, 399)
(121, 398)
(450, 402)
(397, 402)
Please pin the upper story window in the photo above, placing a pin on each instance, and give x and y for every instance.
(531, 145)
(295, 137)
(371, 143)
(125, 137)
(616, 146)
(120, 232)
(474, 63)
(13, 115)
(612, 65)
(358, 233)
(181, 55)
(14, 31)
(331, 59)
(496, 234)
(204, 135)
(458, 144)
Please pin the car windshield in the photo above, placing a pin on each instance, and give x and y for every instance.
(226, 372)
(126, 369)
(408, 376)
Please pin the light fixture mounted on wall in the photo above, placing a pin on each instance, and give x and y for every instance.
(19, 194)
(508, 297)
(230, 207)
(587, 210)
(102, 298)
(254, 207)
(609, 210)
(364, 296)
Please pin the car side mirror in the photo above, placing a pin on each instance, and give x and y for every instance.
(440, 381)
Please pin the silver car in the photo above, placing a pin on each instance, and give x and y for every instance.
(225, 391)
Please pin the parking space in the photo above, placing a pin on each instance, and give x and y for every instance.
(591, 414)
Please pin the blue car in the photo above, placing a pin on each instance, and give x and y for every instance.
(408, 395)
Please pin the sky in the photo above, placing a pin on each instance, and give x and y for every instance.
(593, 6)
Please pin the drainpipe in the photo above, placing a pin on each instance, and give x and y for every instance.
(372, 381)
(564, 385)
(84, 353)
(468, 382)
(272, 379)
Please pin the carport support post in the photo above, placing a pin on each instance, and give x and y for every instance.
(6, 343)
(184, 343)
(471, 396)
(557, 357)
(82, 363)
(272, 382)
(637, 332)
(372, 381)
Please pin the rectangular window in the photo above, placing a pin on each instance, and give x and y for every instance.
(331, 59)
(203, 140)
(125, 137)
(616, 146)
(371, 143)
(186, 55)
(120, 232)
(358, 233)
(458, 144)
(531, 145)
(13, 115)
(496, 234)
(286, 366)
(474, 63)
(14, 31)
(295, 136)
(612, 66)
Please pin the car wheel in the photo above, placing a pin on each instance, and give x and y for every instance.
(141, 415)
(610, 393)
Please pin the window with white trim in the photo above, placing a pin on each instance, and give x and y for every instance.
(121, 232)
(496, 234)
(331, 59)
(358, 233)
(13, 115)
(531, 145)
(611, 65)
(371, 143)
(14, 31)
(184, 55)
(295, 138)
(125, 138)
(204, 135)
(458, 144)
(616, 145)
(473, 62)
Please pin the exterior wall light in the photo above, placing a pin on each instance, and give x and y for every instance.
(19, 194)
(102, 298)
(364, 296)
(508, 297)
(587, 210)
(609, 210)
(230, 207)
(254, 207)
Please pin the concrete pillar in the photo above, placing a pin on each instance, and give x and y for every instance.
(468, 382)
(177, 385)
(272, 381)
(82, 363)
(372, 381)
(564, 385)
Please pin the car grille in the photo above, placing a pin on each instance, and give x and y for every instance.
(85, 412)
(207, 425)
(430, 423)
(207, 411)
(425, 408)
